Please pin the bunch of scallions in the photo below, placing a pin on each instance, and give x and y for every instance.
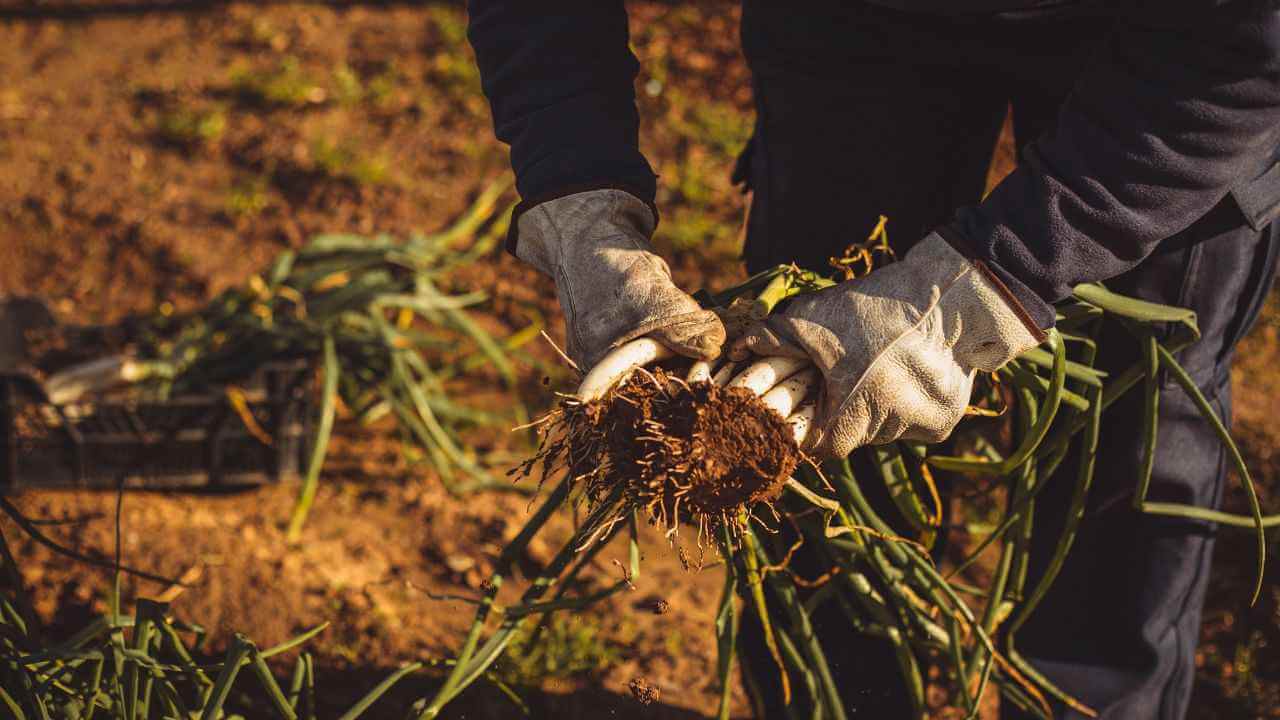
(632, 447)
(371, 313)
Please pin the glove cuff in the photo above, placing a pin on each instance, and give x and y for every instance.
(541, 228)
(1037, 313)
(994, 328)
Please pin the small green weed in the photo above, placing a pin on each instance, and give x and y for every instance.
(568, 645)
(452, 67)
(248, 198)
(188, 127)
(347, 87)
(720, 126)
(343, 161)
(287, 85)
(379, 90)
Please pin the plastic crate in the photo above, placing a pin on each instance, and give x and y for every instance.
(198, 441)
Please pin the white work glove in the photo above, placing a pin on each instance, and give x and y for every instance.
(898, 349)
(611, 285)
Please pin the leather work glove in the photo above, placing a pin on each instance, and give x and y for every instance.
(898, 348)
(611, 285)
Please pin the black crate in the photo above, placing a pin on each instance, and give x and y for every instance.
(197, 441)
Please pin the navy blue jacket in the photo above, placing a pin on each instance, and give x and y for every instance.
(1181, 108)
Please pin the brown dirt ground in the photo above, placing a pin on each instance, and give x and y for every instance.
(161, 152)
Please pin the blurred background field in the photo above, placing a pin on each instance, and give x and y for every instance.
(161, 152)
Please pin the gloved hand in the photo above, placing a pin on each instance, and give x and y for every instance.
(898, 348)
(611, 285)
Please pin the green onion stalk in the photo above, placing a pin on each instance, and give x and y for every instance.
(376, 316)
(883, 579)
(147, 664)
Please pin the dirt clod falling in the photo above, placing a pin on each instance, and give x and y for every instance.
(643, 691)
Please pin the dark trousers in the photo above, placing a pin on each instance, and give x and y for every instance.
(905, 128)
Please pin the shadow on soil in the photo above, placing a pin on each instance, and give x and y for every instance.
(341, 687)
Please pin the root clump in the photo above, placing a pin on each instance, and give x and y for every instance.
(687, 452)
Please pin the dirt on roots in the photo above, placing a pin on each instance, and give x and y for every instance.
(691, 453)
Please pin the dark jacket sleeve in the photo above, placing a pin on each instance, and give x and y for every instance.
(559, 76)
(1179, 108)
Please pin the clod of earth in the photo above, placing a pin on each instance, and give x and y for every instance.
(690, 453)
(643, 691)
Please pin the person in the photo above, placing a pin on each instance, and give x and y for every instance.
(1150, 136)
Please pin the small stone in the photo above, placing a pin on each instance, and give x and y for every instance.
(459, 563)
